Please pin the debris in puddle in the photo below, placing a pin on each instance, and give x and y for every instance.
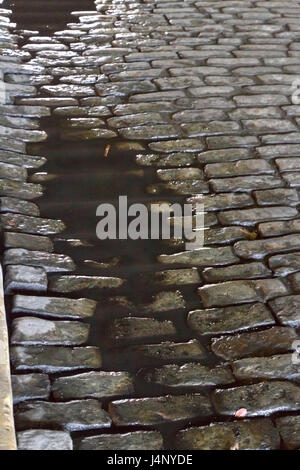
(42, 177)
(120, 302)
(129, 146)
(251, 235)
(74, 242)
(103, 264)
(106, 151)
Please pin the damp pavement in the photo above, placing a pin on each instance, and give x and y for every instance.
(143, 345)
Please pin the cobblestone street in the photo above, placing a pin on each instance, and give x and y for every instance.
(149, 346)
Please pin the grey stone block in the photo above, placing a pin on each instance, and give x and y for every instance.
(44, 440)
(30, 387)
(25, 278)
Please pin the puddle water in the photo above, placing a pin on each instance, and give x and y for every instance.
(83, 178)
(46, 16)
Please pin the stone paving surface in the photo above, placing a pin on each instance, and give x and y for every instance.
(202, 90)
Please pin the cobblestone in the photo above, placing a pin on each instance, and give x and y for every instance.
(30, 387)
(238, 271)
(71, 416)
(140, 329)
(259, 399)
(20, 189)
(53, 307)
(242, 167)
(258, 249)
(169, 352)
(178, 159)
(254, 216)
(163, 302)
(280, 196)
(29, 242)
(44, 440)
(189, 145)
(23, 160)
(34, 225)
(217, 202)
(189, 375)
(286, 310)
(149, 132)
(10, 204)
(51, 262)
(237, 292)
(67, 284)
(274, 340)
(93, 385)
(25, 278)
(140, 440)
(288, 427)
(150, 411)
(231, 319)
(270, 229)
(211, 257)
(32, 330)
(245, 183)
(247, 435)
(264, 368)
(285, 264)
(54, 359)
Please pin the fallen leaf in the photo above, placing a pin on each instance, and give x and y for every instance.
(235, 446)
(251, 235)
(106, 151)
(242, 413)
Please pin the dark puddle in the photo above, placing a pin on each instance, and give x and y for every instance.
(44, 15)
(85, 178)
